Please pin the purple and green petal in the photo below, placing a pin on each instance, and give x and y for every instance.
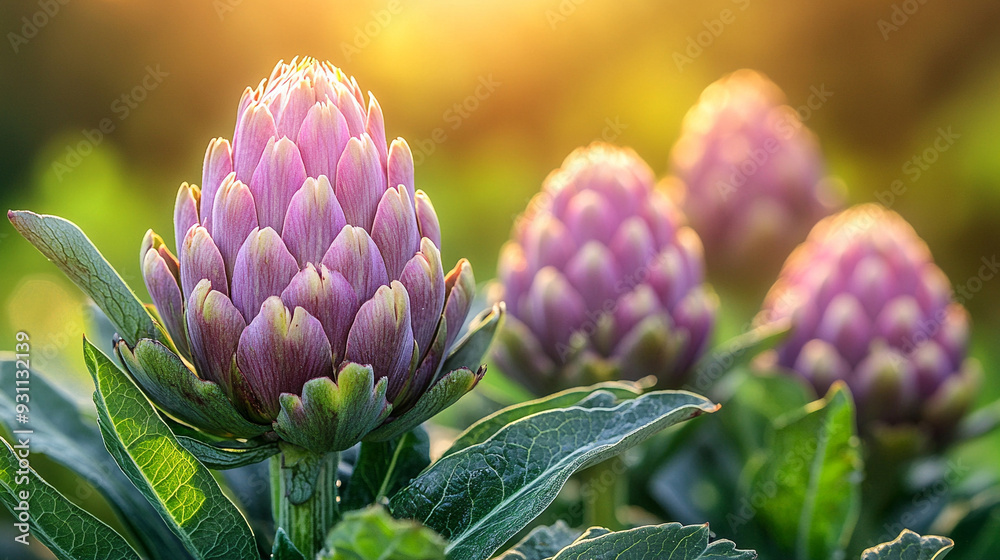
(382, 337)
(277, 353)
(218, 165)
(400, 165)
(234, 217)
(277, 178)
(185, 211)
(395, 230)
(161, 282)
(423, 278)
(427, 219)
(214, 327)
(253, 132)
(322, 139)
(355, 255)
(333, 416)
(361, 181)
(263, 268)
(329, 297)
(200, 259)
(313, 221)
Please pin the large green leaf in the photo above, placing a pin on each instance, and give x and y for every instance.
(910, 546)
(806, 489)
(482, 430)
(384, 467)
(67, 530)
(669, 541)
(62, 242)
(181, 489)
(228, 455)
(372, 534)
(481, 496)
(542, 543)
(63, 435)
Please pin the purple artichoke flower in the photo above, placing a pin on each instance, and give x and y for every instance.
(602, 279)
(869, 306)
(751, 174)
(309, 290)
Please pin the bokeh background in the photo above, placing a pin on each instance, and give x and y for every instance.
(491, 96)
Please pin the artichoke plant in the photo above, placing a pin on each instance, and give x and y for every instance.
(750, 174)
(308, 292)
(602, 279)
(868, 306)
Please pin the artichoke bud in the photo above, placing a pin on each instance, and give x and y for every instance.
(602, 279)
(308, 289)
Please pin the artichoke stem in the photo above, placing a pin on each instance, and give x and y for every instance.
(602, 491)
(305, 515)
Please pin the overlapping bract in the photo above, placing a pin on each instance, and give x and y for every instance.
(751, 173)
(869, 306)
(602, 279)
(308, 284)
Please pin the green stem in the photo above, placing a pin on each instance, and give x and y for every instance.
(304, 497)
(602, 491)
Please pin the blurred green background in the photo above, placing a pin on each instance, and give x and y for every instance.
(167, 76)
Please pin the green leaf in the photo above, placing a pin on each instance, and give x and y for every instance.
(61, 434)
(67, 530)
(481, 496)
(228, 455)
(168, 382)
(372, 534)
(334, 416)
(485, 428)
(283, 548)
(384, 467)
(542, 543)
(910, 546)
(755, 400)
(440, 396)
(469, 351)
(808, 484)
(62, 242)
(181, 489)
(736, 352)
(669, 541)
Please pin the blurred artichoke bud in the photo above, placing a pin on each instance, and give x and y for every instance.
(309, 290)
(602, 279)
(750, 173)
(869, 306)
